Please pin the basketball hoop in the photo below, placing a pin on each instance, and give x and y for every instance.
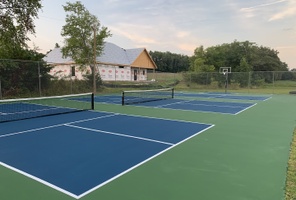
(225, 71)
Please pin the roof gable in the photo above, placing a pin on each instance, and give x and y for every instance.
(144, 59)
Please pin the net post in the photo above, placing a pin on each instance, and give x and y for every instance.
(92, 101)
(122, 99)
(173, 93)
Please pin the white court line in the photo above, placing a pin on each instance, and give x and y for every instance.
(245, 109)
(53, 126)
(213, 105)
(30, 111)
(30, 130)
(199, 111)
(179, 102)
(267, 99)
(145, 116)
(141, 163)
(171, 145)
(176, 109)
(120, 134)
(39, 180)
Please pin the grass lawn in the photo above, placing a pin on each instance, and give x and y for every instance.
(291, 173)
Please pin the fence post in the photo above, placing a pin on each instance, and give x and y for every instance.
(39, 79)
(0, 90)
(249, 82)
(273, 82)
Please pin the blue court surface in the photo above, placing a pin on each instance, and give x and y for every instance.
(216, 95)
(16, 111)
(181, 102)
(79, 152)
(201, 106)
(223, 107)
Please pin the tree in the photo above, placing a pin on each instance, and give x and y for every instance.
(79, 33)
(266, 59)
(198, 61)
(16, 20)
(170, 62)
(244, 66)
(244, 56)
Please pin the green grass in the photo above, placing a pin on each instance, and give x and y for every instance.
(291, 172)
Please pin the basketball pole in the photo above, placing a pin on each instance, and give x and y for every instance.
(226, 81)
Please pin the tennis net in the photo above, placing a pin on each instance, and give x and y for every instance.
(18, 109)
(142, 96)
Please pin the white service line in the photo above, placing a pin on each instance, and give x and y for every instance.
(141, 163)
(120, 134)
(213, 105)
(179, 102)
(53, 126)
(34, 111)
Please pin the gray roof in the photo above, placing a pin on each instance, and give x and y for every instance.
(112, 54)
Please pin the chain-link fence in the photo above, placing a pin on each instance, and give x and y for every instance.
(272, 82)
(20, 78)
(36, 78)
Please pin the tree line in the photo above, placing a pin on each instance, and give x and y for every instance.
(243, 56)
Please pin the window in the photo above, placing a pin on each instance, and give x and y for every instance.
(73, 70)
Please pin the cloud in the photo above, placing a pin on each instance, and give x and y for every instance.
(248, 9)
(132, 32)
(282, 9)
(289, 11)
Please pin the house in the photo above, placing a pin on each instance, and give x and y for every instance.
(114, 64)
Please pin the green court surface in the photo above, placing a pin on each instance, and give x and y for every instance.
(242, 157)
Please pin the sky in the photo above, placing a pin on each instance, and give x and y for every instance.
(180, 26)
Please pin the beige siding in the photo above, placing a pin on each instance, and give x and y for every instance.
(144, 61)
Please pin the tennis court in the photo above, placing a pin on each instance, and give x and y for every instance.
(181, 103)
(84, 147)
(215, 95)
(145, 151)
